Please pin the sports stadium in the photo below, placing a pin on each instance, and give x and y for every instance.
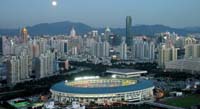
(102, 90)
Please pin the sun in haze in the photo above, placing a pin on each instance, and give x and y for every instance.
(54, 3)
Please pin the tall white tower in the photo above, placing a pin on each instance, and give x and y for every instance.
(123, 49)
(73, 33)
(106, 47)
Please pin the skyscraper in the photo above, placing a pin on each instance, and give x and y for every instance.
(65, 46)
(128, 30)
(107, 34)
(73, 33)
(123, 50)
(24, 35)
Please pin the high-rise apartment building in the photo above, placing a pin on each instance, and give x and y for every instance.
(143, 49)
(190, 40)
(166, 54)
(106, 47)
(192, 51)
(44, 64)
(123, 50)
(18, 68)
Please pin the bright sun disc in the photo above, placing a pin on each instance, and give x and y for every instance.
(54, 3)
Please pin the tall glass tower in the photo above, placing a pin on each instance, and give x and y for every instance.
(128, 30)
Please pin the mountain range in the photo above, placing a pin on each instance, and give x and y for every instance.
(81, 28)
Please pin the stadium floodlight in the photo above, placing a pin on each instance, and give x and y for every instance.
(86, 77)
(114, 76)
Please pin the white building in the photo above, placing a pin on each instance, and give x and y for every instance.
(94, 33)
(103, 91)
(125, 73)
(188, 65)
(18, 68)
(44, 64)
(190, 40)
(100, 49)
(74, 51)
(166, 54)
(192, 51)
(106, 47)
(143, 49)
(73, 33)
(123, 50)
(107, 33)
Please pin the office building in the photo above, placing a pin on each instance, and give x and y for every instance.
(128, 31)
(73, 33)
(107, 33)
(24, 35)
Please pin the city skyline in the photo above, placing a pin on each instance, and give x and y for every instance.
(100, 13)
(105, 54)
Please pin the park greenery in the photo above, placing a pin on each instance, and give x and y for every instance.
(184, 102)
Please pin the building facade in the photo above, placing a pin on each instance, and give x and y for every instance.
(166, 54)
(18, 69)
(102, 91)
(129, 36)
(143, 49)
(192, 51)
(123, 50)
(184, 65)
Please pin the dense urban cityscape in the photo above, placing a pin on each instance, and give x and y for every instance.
(100, 69)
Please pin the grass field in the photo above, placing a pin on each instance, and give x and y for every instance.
(185, 102)
(21, 104)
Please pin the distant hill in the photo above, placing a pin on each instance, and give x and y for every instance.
(65, 27)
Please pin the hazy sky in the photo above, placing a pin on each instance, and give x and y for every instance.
(100, 13)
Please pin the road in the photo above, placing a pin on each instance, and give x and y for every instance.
(162, 105)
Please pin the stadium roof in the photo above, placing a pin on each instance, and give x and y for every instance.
(62, 87)
(126, 71)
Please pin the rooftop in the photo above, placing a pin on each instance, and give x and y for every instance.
(62, 87)
(125, 71)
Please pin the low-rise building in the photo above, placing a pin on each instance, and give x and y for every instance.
(184, 65)
(126, 73)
